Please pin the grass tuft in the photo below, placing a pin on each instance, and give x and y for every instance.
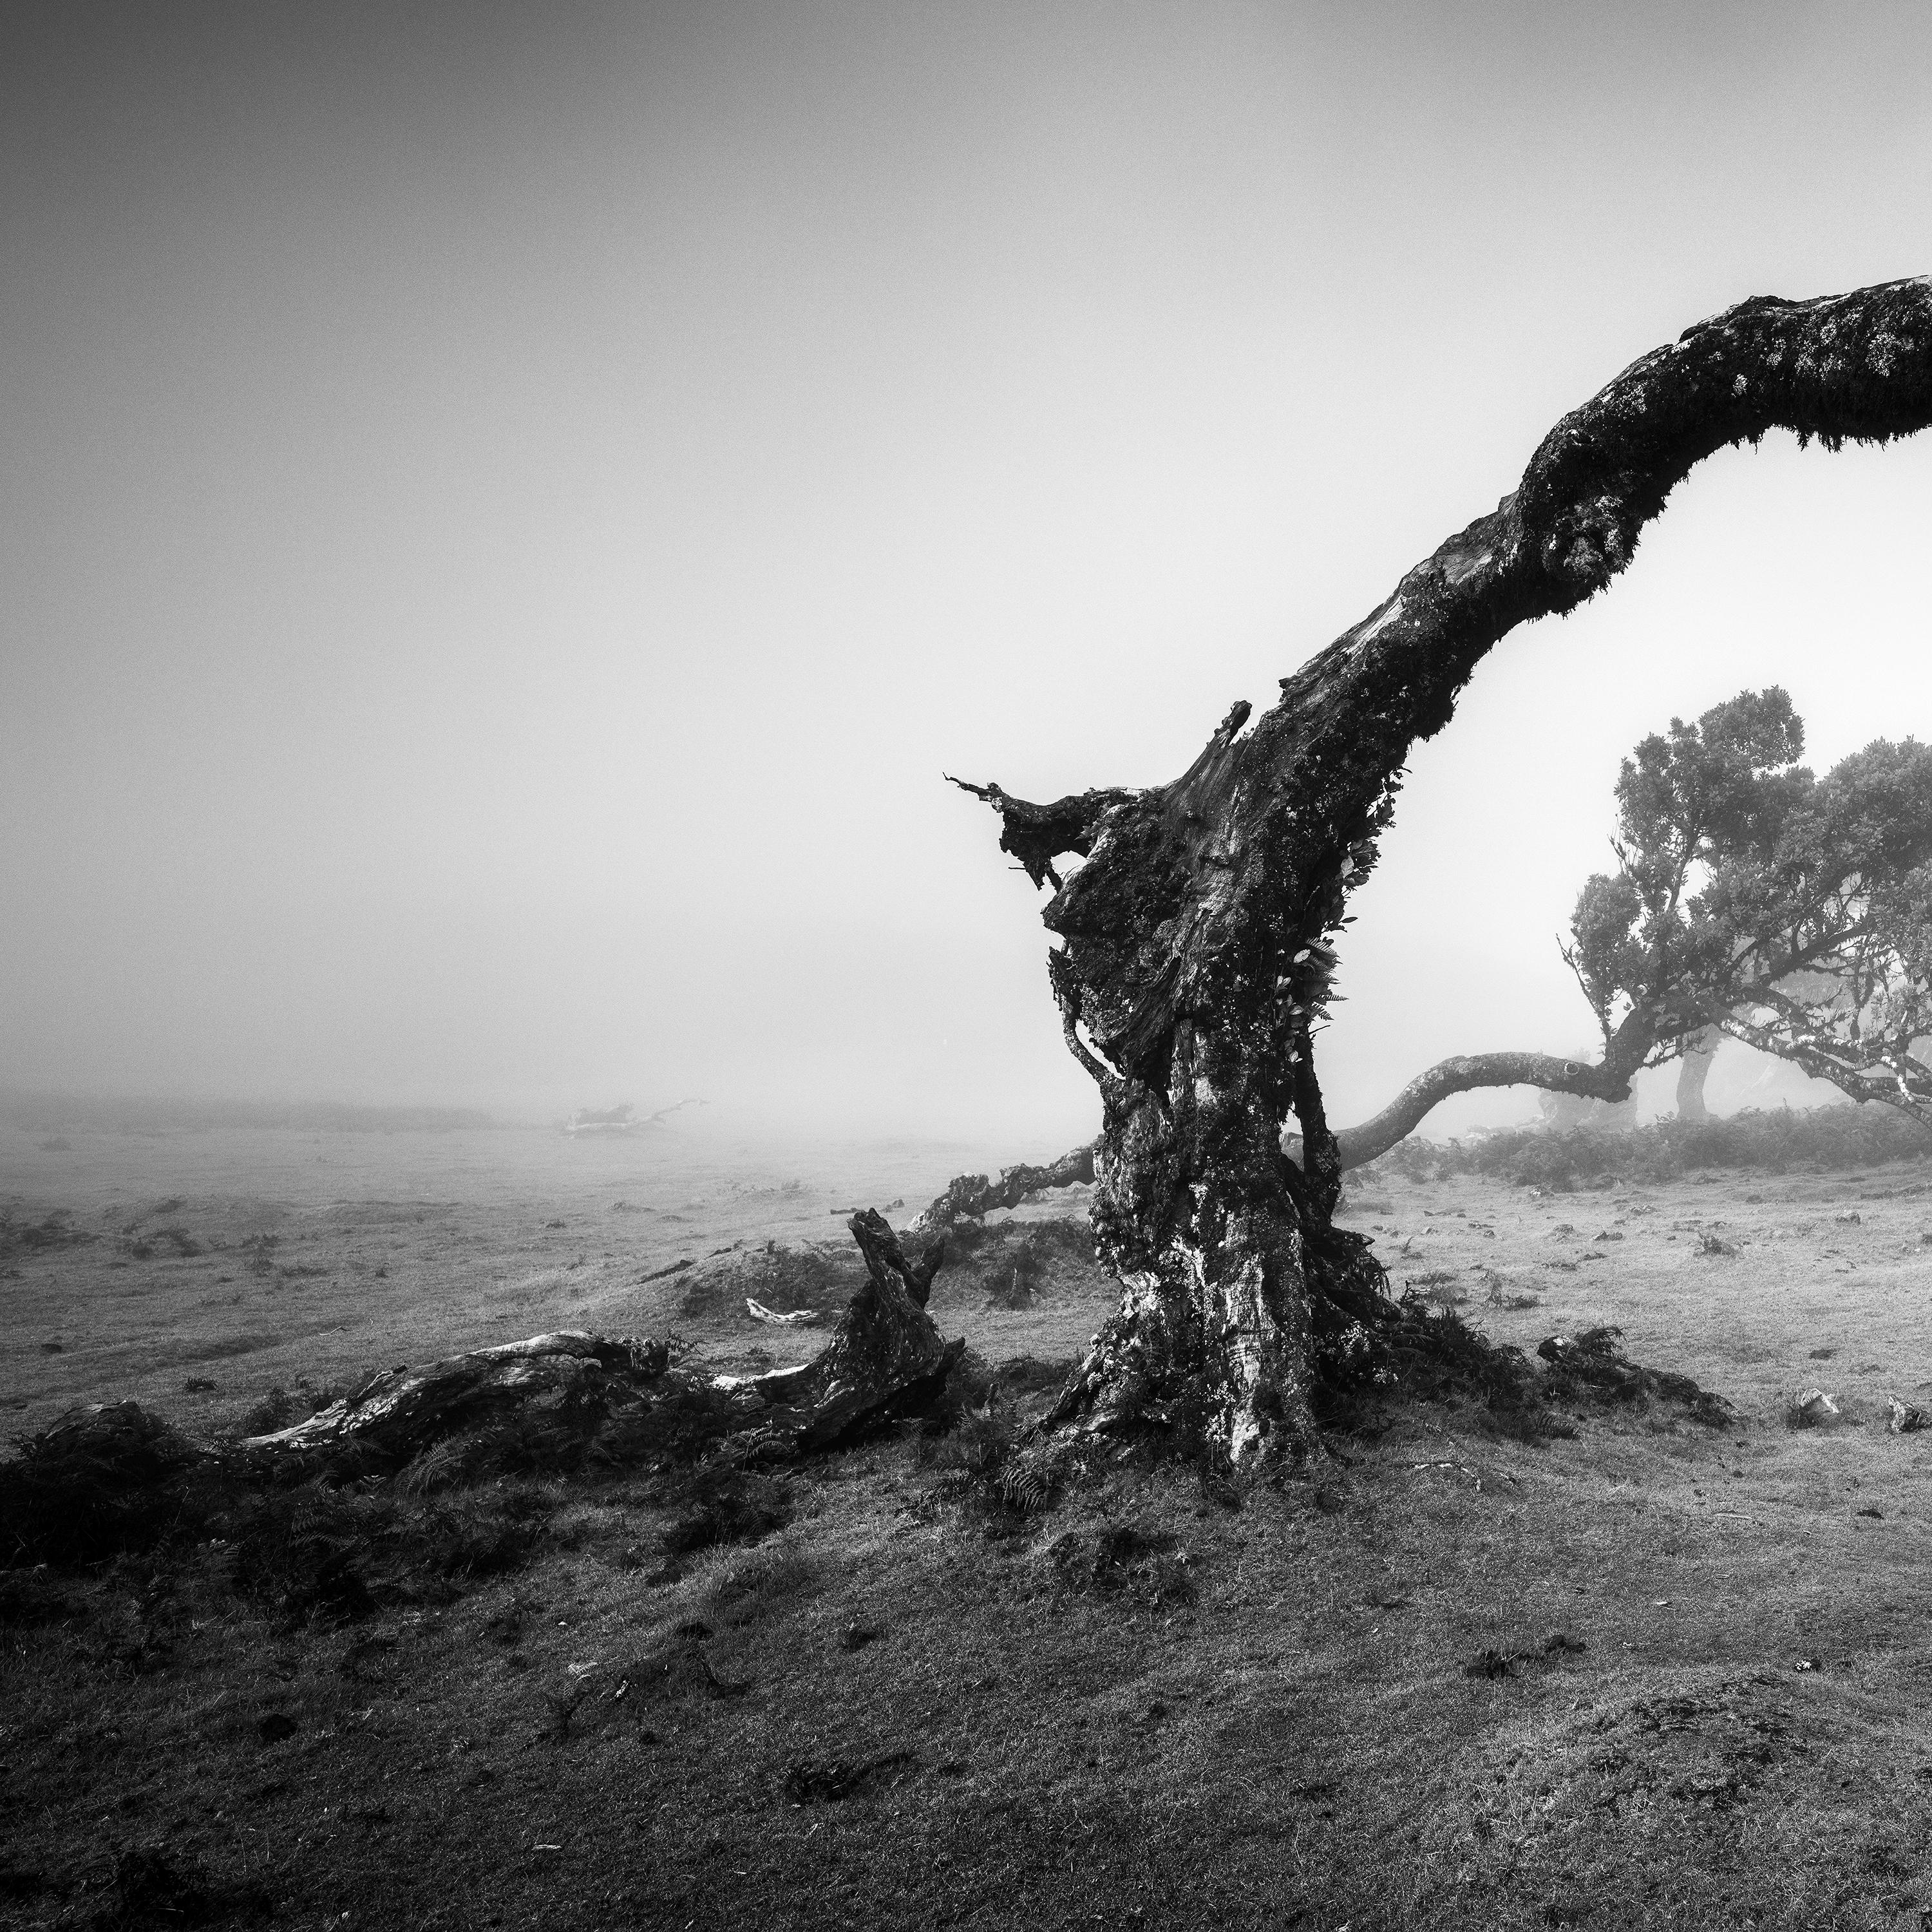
(27, 1599)
(154, 1886)
(1124, 1560)
(736, 1588)
(717, 1503)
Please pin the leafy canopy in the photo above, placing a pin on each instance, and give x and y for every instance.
(1792, 912)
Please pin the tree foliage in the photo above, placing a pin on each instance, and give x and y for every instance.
(1792, 912)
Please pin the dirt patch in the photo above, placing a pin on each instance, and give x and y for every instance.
(827, 1780)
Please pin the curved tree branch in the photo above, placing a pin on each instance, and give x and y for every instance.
(1465, 1073)
(1631, 1047)
(1267, 835)
(967, 1196)
(1882, 1070)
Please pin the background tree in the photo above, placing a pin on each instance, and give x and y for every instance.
(1822, 944)
(1693, 1070)
(1751, 899)
(1197, 951)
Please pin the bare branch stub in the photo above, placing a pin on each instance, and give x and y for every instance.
(1197, 958)
(1036, 834)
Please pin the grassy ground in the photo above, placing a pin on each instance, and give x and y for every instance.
(1700, 1658)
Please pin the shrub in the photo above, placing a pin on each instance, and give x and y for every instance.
(295, 1551)
(977, 1445)
(94, 1483)
(1829, 1138)
(484, 1533)
(36, 1236)
(717, 1503)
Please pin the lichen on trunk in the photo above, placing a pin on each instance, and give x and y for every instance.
(1197, 954)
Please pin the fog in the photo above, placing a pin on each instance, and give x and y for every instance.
(509, 512)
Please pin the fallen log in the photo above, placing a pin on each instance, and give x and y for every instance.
(116, 1476)
(617, 1398)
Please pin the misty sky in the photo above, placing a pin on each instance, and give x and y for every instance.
(508, 510)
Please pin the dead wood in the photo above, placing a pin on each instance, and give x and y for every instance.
(624, 1399)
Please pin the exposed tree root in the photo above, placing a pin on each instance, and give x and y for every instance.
(1378, 1353)
(1142, 1369)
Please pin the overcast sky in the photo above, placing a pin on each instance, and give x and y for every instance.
(506, 513)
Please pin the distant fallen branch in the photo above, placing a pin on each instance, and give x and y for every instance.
(620, 1120)
(665, 1113)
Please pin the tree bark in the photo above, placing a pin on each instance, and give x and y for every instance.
(1880, 1071)
(1630, 1047)
(1196, 961)
(1468, 1073)
(1692, 1071)
(617, 1398)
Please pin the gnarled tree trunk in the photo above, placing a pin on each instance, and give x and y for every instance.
(1693, 1070)
(1196, 961)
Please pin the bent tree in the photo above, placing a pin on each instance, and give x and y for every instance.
(1196, 954)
